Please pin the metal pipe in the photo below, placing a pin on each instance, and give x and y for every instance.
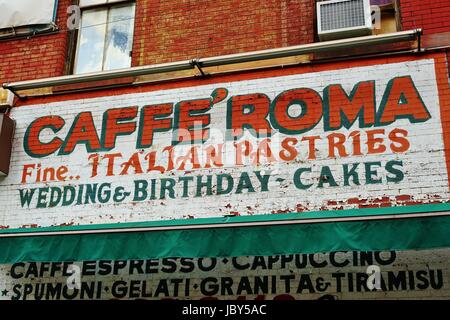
(99, 76)
(216, 61)
(310, 48)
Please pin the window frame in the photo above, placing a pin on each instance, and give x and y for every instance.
(76, 37)
(31, 29)
(107, 4)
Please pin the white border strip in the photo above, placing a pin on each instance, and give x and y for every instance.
(226, 225)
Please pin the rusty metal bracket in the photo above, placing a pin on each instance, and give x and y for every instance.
(198, 66)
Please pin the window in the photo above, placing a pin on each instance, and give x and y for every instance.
(26, 17)
(105, 35)
(388, 15)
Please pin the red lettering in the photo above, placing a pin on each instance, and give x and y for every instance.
(402, 100)
(32, 143)
(336, 141)
(311, 104)
(344, 110)
(115, 125)
(399, 141)
(153, 119)
(249, 111)
(83, 130)
(374, 144)
(191, 121)
(289, 151)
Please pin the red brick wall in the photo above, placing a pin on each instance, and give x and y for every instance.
(173, 30)
(37, 57)
(430, 15)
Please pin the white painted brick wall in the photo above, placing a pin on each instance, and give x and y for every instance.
(424, 164)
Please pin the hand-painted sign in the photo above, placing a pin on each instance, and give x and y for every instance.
(338, 275)
(361, 136)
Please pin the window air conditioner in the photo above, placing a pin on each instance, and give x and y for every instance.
(337, 19)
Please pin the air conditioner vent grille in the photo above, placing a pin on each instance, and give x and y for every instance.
(339, 15)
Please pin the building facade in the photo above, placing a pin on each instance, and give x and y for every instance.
(182, 149)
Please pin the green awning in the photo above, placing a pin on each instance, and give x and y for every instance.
(226, 237)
